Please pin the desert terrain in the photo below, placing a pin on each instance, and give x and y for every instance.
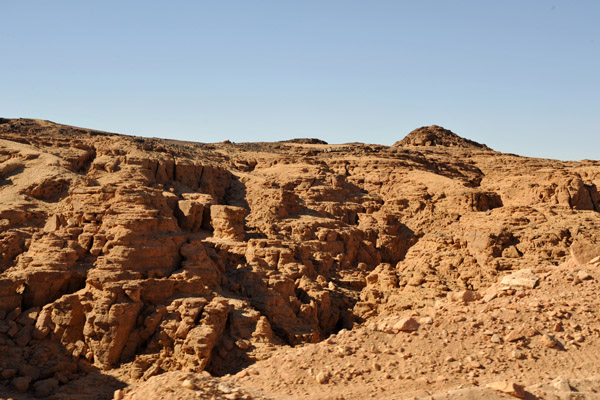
(435, 268)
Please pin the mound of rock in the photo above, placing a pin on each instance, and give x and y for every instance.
(435, 135)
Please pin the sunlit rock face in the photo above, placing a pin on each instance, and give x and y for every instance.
(145, 256)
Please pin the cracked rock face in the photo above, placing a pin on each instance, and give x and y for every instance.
(146, 256)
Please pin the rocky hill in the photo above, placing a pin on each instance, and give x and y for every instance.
(435, 135)
(437, 267)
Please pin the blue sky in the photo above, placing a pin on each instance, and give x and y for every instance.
(521, 76)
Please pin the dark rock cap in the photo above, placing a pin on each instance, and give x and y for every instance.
(435, 135)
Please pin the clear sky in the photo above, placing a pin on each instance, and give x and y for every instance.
(520, 76)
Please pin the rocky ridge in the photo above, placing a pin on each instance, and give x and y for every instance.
(364, 269)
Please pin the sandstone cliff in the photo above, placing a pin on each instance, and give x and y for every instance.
(146, 256)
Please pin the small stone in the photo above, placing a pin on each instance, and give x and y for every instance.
(496, 339)
(407, 324)
(558, 327)
(150, 372)
(21, 384)
(23, 337)
(489, 297)
(46, 387)
(14, 314)
(561, 384)
(224, 388)
(14, 329)
(118, 395)
(188, 384)
(29, 316)
(530, 332)
(514, 336)
(583, 275)
(322, 377)
(508, 387)
(517, 354)
(465, 296)
(9, 373)
(39, 334)
(549, 341)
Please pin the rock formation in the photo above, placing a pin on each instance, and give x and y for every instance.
(126, 260)
(435, 135)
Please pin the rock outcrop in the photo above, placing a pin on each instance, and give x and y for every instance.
(435, 135)
(146, 256)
